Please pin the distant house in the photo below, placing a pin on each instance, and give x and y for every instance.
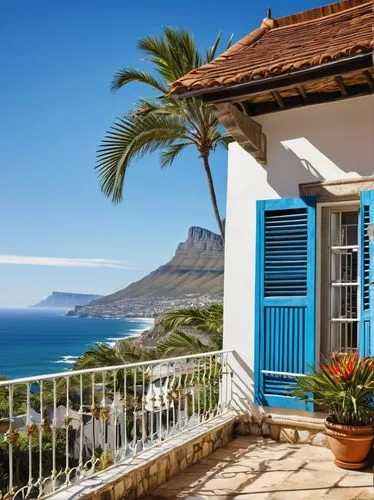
(296, 95)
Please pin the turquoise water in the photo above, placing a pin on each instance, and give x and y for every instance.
(37, 341)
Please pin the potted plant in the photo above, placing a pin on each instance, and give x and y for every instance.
(344, 388)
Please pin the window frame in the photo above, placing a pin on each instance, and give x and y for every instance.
(320, 287)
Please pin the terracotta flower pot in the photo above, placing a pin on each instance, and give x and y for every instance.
(350, 445)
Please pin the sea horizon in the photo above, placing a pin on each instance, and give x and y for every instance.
(36, 341)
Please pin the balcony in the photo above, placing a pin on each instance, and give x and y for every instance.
(159, 429)
(58, 431)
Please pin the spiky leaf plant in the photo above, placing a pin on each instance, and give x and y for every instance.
(344, 387)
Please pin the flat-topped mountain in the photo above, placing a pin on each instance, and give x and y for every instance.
(66, 299)
(197, 267)
(193, 277)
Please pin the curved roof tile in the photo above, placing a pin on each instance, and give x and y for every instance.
(291, 43)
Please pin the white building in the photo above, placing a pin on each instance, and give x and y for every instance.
(297, 97)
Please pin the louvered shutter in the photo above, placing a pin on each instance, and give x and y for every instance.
(285, 299)
(366, 336)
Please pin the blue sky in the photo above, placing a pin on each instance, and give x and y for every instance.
(57, 60)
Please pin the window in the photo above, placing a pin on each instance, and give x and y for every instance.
(339, 280)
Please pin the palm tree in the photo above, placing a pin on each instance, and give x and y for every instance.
(161, 122)
(123, 352)
(18, 397)
(208, 320)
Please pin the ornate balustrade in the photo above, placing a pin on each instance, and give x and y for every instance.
(56, 430)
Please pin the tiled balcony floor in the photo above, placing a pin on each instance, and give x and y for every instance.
(258, 469)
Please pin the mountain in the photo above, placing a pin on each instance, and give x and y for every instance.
(193, 277)
(65, 299)
(197, 267)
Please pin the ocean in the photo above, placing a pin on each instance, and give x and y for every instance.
(38, 341)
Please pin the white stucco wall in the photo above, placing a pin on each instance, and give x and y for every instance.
(315, 143)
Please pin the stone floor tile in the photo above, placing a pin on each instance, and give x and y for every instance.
(358, 478)
(298, 494)
(268, 481)
(250, 496)
(350, 494)
(320, 465)
(307, 479)
(260, 469)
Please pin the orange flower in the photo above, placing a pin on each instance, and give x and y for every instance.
(343, 368)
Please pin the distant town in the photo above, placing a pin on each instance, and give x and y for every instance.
(144, 308)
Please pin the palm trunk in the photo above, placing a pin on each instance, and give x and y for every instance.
(213, 196)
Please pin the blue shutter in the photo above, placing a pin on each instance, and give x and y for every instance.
(285, 299)
(366, 337)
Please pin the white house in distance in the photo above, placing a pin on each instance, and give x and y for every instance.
(297, 97)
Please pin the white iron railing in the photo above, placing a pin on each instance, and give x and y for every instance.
(56, 430)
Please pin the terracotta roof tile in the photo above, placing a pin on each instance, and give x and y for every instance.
(288, 44)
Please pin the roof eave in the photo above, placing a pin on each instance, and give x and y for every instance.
(331, 68)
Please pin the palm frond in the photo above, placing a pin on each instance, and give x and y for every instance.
(180, 343)
(158, 53)
(173, 54)
(169, 153)
(99, 355)
(129, 75)
(229, 42)
(208, 320)
(154, 47)
(183, 50)
(132, 351)
(211, 53)
(131, 137)
(223, 141)
(122, 352)
(145, 106)
(184, 317)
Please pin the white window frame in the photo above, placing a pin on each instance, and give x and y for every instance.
(320, 206)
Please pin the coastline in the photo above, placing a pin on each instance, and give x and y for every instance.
(50, 341)
(137, 332)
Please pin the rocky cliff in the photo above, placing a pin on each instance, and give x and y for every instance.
(197, 267)
(193, 277)
(65, 299)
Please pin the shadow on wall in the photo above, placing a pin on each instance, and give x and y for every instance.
(306, 163)
(316, 163)
(321, 143)
(243, 390)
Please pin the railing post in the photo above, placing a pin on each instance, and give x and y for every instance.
(54, 430)
(134, 443)
(125, 404)
(81, 425)
(167, 398)
(42, 428)
(94, 413)
(30, 426)
(143, 410)
(10, 439)
(114, 416)
(161, 399)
